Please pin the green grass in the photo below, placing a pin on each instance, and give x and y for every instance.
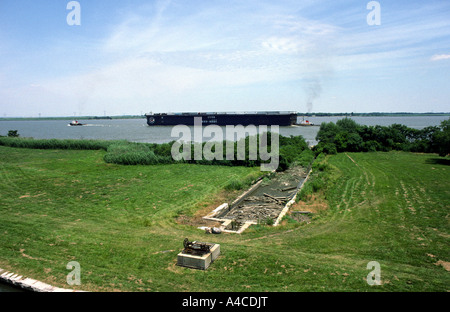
(391, 208)
(118, 222)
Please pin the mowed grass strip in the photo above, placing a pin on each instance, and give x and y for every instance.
(60, 205)
(118, 222)
(392, 208)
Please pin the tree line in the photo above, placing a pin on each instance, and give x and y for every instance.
(348, 136)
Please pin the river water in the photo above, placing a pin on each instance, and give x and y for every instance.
(137, 130)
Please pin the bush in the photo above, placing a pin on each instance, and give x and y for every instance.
(326, 148)
(236, 184)
(305, 158)
(371, 146)
(13, 133)
(317, 184)
(442, 139)
(305, 192)
(347, 136)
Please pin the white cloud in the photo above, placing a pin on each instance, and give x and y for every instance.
(283, 45)
(140, 81)
(439, 57)
(156, 61)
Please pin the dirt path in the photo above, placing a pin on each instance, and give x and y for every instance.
(351, 159)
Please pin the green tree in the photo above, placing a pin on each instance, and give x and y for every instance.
(442, 138)
(327, 132)
(347, 124)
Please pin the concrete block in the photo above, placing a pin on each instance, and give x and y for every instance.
(215, 252)
(28, 282)
(57, 289)
(199, 262)
(39, 286)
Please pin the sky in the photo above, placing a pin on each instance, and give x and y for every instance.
(136, 57)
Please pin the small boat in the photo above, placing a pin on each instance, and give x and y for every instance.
(75, 123)
(305, 123)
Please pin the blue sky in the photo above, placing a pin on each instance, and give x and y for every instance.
(133, 57)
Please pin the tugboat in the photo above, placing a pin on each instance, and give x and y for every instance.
(75, 123)
(305, 123)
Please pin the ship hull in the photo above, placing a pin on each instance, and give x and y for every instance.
(222, 119)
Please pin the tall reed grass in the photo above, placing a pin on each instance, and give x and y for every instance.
(129, 153)
(69, 144)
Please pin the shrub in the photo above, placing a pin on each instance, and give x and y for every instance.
(237, 184)
(326, 148)
(347, 136)
(305, 158)
(305, 192)
(13, 133)
(371, 146)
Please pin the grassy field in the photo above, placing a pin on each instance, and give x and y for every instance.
(120, 224)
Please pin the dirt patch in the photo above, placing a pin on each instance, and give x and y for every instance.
(219, 198)
(196, 221)
(300, 217)
(173, 268)
(445, 264)
(30, 257)
(352, 160)
(314, 204)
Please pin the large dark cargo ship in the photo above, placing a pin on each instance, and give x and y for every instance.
(223, 119)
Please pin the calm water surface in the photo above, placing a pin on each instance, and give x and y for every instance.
(136, 130)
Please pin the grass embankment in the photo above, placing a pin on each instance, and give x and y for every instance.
(386, 207)
(119, 223)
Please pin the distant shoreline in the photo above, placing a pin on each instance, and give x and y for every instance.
(72, 118)
(373, 114)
